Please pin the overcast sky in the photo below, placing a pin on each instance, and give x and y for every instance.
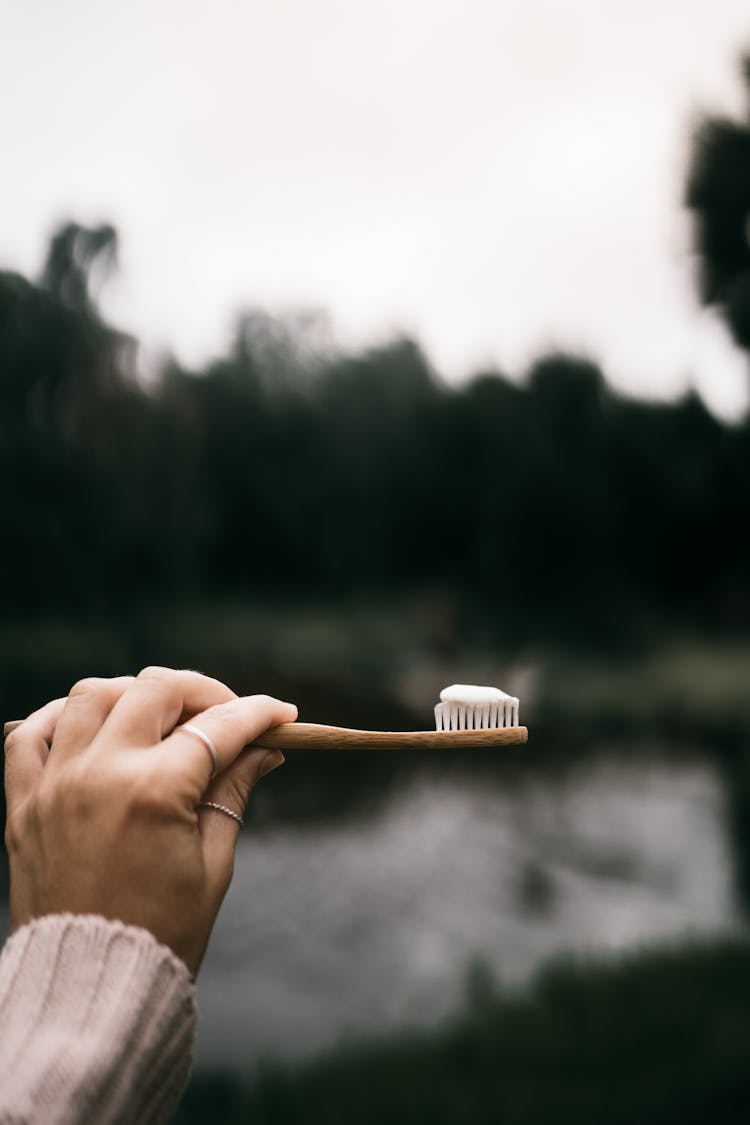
(495, 176)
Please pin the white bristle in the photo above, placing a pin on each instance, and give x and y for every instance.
(466, 707)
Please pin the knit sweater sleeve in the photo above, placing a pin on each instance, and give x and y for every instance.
(97, 1022)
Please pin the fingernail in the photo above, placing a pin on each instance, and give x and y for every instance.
(273, 759)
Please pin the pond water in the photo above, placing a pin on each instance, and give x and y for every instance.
(344, 931)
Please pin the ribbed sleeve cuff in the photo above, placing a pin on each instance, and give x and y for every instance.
(97, 1023)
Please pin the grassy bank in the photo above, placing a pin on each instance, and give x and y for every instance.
(661, 1038)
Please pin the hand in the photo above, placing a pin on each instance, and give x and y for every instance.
(103, 793)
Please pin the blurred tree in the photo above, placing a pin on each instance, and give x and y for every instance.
(718, 193)
(76, 257)
(71, 414)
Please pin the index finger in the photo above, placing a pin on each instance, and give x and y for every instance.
(26, 751)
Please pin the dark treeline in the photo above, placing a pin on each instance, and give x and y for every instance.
(281, 468)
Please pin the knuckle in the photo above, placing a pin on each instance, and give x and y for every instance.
(162, 683)
(87, 688)
(146, 792)
(149, 795)
(156, 672)
(75, 792)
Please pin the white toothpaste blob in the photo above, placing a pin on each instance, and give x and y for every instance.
(468, 707)
(471, 694)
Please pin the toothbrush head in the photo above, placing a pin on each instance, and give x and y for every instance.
(466, 707)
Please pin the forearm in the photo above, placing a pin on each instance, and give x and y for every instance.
(97, 1022)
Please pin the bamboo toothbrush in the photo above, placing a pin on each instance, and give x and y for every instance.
(466, 716)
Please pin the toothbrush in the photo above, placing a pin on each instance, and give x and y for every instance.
(466, 716)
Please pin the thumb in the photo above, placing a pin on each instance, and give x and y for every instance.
(232, 789)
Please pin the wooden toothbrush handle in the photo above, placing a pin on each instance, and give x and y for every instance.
(312, 736)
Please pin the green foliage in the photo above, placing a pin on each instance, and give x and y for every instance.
(661, 1038)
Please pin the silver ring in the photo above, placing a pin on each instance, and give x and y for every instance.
(221, 808)
(207, 742)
